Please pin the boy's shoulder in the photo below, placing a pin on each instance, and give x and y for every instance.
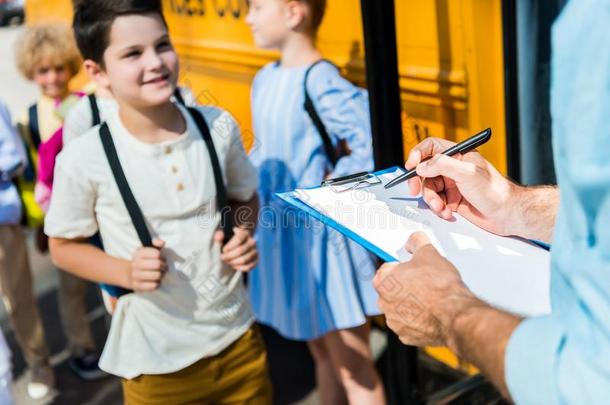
(88, 149)
(80, 105)
(217, 119)
(81, 110)
(83, 149)
(213, 112)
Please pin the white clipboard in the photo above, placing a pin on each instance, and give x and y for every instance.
(509, 273)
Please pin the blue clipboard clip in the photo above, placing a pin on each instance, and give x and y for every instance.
(351, 182)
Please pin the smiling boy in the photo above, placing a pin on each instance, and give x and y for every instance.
(185, 334)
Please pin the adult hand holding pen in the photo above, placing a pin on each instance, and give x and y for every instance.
(425, 300)
(432, 305)
(467, 184)
(471, 186)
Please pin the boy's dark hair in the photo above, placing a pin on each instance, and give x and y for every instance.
(93, 19)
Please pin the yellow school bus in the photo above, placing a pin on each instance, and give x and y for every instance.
(450, 60)
(450, 64)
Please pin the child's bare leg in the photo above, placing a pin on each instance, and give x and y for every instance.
(352, 360)
(329, 387)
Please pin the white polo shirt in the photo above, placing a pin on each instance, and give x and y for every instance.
(80, 117)
(201, 306)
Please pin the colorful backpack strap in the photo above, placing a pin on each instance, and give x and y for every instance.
(329, 148)
(95, 111)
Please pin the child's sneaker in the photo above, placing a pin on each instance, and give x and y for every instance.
(86, 366)
(41, 382)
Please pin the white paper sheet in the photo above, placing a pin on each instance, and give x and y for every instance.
(506, 272)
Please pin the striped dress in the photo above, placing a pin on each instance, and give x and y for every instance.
(310, 280)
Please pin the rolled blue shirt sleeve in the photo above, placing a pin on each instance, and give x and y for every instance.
(532, 353)
(564, 359)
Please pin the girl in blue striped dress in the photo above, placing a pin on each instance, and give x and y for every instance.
(312, 283)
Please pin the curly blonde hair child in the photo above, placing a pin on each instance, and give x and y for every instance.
(47, 55)
(47, 43)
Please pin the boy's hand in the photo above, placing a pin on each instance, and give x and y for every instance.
(148, 267)
(240, 252)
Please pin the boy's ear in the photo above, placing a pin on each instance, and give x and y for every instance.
(296, 14)
(96, 73)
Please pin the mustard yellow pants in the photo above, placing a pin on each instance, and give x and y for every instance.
(237, 375)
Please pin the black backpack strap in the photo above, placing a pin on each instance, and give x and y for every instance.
(178, 96)
(34, 126)
(331, 153)
(222, 201)
(135, 213)
(95, 111)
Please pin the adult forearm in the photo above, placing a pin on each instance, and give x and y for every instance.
(89, 262)
(479, 334)
(533, 213)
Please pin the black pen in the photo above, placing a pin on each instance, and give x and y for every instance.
(462, 147)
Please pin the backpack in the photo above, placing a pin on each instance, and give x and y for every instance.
(33, 215)
(333, 153)
(135, 213)
(111, 293)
